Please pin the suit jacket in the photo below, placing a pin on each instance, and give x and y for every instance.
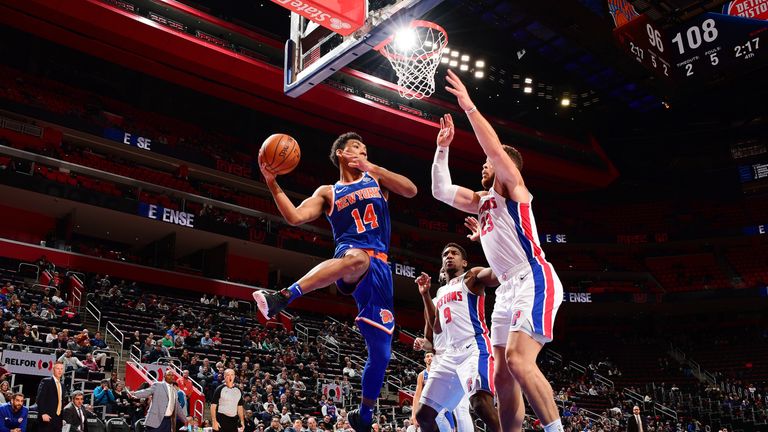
(159, 404)
(69, 415)
(47, 397)
(632, 424)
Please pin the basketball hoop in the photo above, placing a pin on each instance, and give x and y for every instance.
(416, 64)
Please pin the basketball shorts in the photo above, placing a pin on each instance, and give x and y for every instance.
(455, 373)
(373, 294)
(527, 300)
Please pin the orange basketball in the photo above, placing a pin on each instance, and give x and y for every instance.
(280, 153)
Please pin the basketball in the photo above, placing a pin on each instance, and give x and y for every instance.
(280, 153)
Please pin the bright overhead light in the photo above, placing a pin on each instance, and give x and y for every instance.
(528, 80)
(479, 74)
(465, 58)
(444, 60)
(565, 102)
(405, 39)
(455, 54)
(453, 63)
(480, 63)
(528, 89)
(428, 44)
(464, 67)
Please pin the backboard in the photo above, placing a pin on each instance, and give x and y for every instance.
(313, 52)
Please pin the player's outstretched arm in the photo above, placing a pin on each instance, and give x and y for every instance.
(443, 188)
(388, 180)
(486, 276)
(309, 210)
(424, 282)
(506, 170)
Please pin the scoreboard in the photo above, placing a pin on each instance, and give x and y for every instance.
(705, 48)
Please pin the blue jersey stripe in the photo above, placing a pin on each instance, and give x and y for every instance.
(473, 316)
(538, 274)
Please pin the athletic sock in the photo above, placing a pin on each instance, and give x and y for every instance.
(555, 426)
(293, 292)
(366, 413)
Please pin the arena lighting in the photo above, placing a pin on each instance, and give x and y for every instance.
(453, 63)
(465, 58)
(454, 54)
(444, 60)
(528, 89)
(464, 67)
(480, 63)
(528, 80)
(565, 102)
(479, 74)
(405, 39)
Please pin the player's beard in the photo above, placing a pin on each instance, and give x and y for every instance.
(487, 182)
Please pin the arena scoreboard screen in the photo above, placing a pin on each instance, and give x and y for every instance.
(705, 48)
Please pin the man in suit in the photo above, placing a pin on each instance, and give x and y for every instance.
(74, 413)
(165, 408)
(637, 423)
(49, 400)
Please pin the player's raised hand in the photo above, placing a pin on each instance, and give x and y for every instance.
(474, 228)
(418, 344)
(424, 281)
(458, 89)
(445, 136)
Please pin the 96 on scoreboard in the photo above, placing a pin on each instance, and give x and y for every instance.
(710, 46)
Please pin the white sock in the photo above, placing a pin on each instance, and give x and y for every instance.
(555, 426)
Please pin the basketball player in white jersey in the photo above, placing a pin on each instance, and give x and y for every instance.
(465, 365)
(531, 293)
(445, 421)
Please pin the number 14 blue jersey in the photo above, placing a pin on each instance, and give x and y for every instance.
(359, 216)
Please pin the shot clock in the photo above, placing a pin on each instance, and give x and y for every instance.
(708, 47)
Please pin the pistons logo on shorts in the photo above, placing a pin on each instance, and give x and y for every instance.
(515, 317)
(470, 383)
(386, 316)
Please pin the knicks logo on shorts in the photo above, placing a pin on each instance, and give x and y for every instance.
(386, 316)
(516, 317)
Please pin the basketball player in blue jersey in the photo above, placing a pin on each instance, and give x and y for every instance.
(530, 293)
(356, 207)
(463, 363)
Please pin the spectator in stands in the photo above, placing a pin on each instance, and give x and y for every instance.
(13, 415)
(98, 341)
(52, 335)
(122, 399)
(204, 299)
(5, 392)
(185, 383)
(49, 400)
(156, 353)
(285, 416)
(295, 427)
(312, 424)
(90, 363)
(274, 425)
(103, 395)
(71, 362)
(250, 425)
(206, 343)
(217, 339)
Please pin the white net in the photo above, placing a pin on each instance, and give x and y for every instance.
(415, 56)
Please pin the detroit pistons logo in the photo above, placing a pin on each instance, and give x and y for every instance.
(516, 317)
(386, 316)
(470, 384)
